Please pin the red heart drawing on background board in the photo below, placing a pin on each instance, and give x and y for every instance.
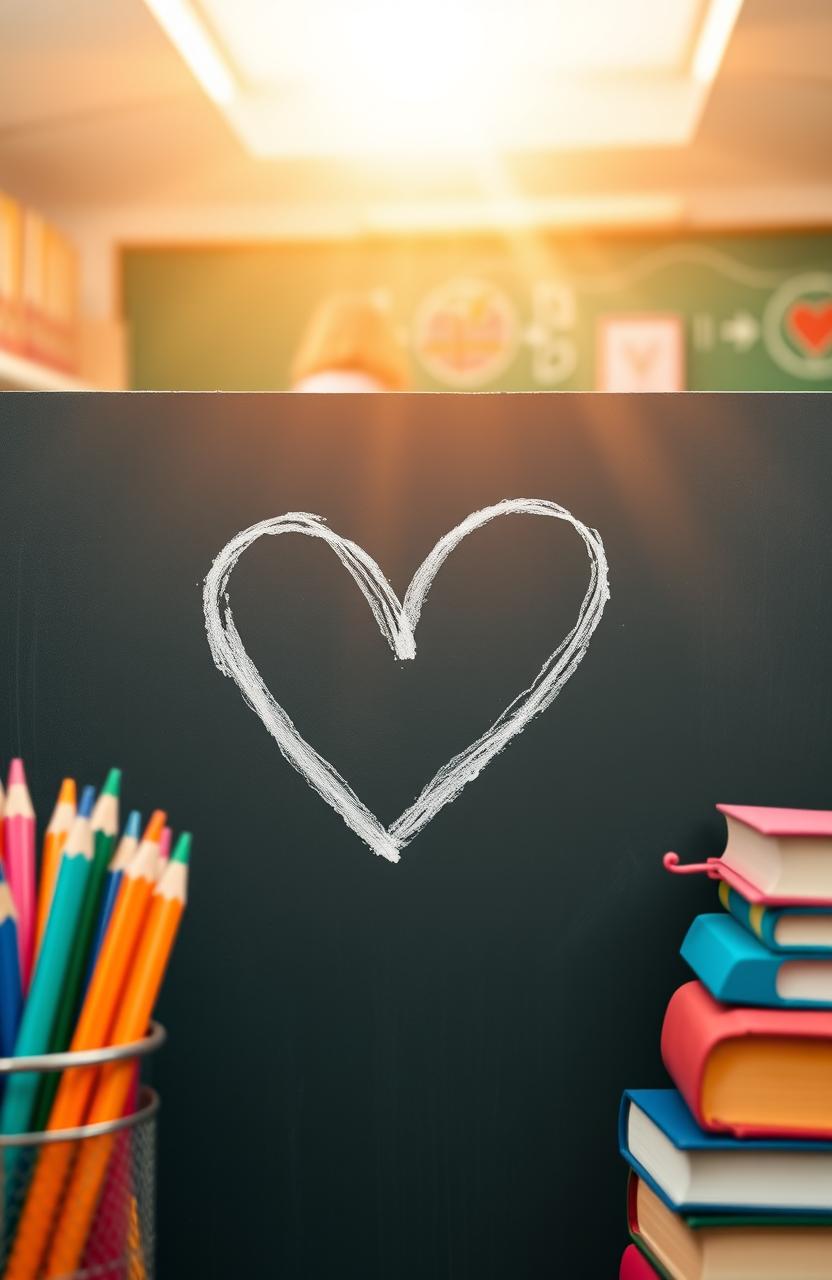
(811, 324)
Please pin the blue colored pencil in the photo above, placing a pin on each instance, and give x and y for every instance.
(125, 850)
(11, 995)
(45, 991)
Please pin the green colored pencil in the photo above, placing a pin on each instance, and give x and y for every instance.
(105, 819)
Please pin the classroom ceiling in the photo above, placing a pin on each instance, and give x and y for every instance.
(460, 76)
(97, 108)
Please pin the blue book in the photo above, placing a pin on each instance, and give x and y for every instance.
(696, 1172)
(804, 929)
(739, 969)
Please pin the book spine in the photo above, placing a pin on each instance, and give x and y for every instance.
(623, 1122)
(764, 921)
(740, 909)
(687, 1036)
(734, 968)
(760, 921)
(635, 1232)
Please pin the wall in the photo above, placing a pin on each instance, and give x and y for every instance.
(527, 311)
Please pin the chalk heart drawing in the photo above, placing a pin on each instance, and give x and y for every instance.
(397, 623)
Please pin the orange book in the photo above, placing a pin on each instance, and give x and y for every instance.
(752, 1072)
(718, 1248)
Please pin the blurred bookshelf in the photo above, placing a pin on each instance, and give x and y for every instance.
(17, 373)
(46, 343)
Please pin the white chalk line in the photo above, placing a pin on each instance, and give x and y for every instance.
(397, 623)
(681, 255)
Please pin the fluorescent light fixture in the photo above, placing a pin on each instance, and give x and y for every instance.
(351, 77)
(188, 33)
(713, 38)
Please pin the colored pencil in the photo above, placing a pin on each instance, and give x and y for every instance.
(125, 851)
(165, 844)
(138, 1270)
(76, 1087)
(54, 840)
(42, 1003)
(19, 853)
(114, 1082)
(11, 997)
(104, 828)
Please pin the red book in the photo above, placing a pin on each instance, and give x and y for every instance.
(634, 1266)
(750, 1072)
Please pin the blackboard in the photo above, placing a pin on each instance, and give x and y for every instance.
(413, 1070)
(516, 312)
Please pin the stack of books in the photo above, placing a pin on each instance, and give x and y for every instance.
(731, 1171)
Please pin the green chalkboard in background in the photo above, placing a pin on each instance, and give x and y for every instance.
(412, 1072)
(521, 313)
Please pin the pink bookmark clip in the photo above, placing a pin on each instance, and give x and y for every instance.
(711, 867)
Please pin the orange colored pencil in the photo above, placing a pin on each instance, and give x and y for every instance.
(115, 1079)
(93, 1030)
(155, 826)
(54, 840)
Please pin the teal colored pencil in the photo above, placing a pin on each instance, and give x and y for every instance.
(44, 996)
(104, 824)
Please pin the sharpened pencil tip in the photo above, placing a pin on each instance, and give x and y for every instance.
(133, 825)
(87, 804)
(155, 826)
(112, 786)
(182, 848)
(17, 774)
(68, 793)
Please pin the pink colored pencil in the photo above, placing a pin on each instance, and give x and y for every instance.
(107, 1244)
(19, 855)
(2, 807)
(165, 841)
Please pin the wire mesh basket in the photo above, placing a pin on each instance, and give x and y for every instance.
(116, 1240)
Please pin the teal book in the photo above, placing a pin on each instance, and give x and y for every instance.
(737, 968)
(804, 929)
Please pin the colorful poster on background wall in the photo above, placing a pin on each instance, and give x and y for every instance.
(797, 326)
(641, 353)
(514, 313)
(465, 333)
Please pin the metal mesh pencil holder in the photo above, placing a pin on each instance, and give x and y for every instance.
(119, 1240)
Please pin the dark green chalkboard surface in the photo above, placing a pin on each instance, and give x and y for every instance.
(532, 311)
(394, 1072)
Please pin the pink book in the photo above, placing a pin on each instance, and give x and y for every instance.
(696, 1027)
(777, 857)
(634, 1266)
